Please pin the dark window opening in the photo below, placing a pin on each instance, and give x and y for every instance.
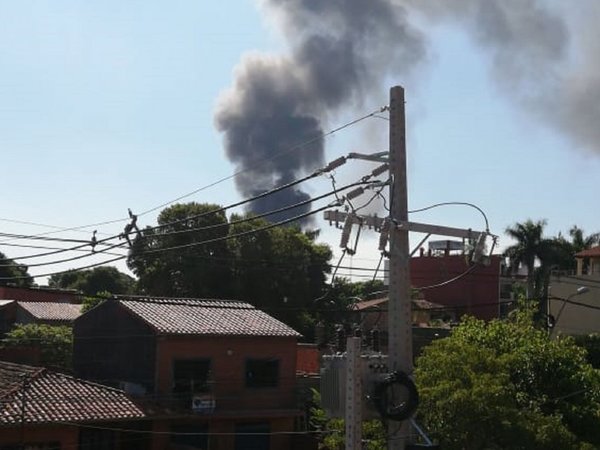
(191, 376)
(262, 372)
(91, 439)
(189, 437)
(252, 436)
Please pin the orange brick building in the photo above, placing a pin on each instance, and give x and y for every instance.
(210, 372)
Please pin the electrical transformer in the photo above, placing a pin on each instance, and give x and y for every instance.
(333, 382)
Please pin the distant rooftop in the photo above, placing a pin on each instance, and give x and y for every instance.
(52, 311)
(594, 251)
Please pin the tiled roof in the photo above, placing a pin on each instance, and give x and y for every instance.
(52, 397)
(205, 317)
(418, 303)
(59, 312)
(594, 251)
(366, 304)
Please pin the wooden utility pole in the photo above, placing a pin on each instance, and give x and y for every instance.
(353, 413)
(399, 305)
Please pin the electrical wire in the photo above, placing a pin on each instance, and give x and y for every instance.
(261, 160)
(276, 189)
(179, 247)
(33, 237)
(213, 226)
(447, 282)
(89, 266)
(437, 205)
(73, 258)
(262, 215)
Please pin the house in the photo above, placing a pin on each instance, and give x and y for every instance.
(49, 313)
(8, 315)
(39, 294)
(216, 373)
(45, 410)
(373, 316)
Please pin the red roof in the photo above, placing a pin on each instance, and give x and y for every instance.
(52, 397)
(205, 317)
(52, 311)
(594, 251)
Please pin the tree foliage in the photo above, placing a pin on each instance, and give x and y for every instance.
(93, 281)
(332, 436)
(530, 245)
(189, 270)
(10, 269)
(541, 255)
(504, 384)
(281, 270)
(91, 302)
(54, 342)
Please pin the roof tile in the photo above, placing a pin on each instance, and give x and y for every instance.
(206, 317)
(55, 397)
(594, 251)
(52, 311)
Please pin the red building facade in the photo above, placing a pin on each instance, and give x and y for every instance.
(451, 281)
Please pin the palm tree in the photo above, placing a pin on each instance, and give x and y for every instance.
(581, 242)
(529, 247)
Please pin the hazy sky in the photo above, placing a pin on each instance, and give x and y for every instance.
(109, 105)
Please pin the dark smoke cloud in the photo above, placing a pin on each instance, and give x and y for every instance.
(339, 52)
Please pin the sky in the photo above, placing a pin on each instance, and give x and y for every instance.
(106, 106)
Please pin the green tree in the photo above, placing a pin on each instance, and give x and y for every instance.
(54, 342)
(580, 241)
(191, 269)
(281, 270)
(332, 436)
(12, 273)
(529, 246)
(91, 302)
(504, 384)
(98, 279)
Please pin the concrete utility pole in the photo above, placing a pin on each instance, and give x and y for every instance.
(400, 356)
(399, 304)
(353, 413)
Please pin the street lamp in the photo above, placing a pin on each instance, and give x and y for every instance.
(580, 290)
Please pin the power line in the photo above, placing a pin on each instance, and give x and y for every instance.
(295, 147)
(226, 237)
(261, 160)
(437, 205)
(78, 248)
(332, 165)
(179, 247)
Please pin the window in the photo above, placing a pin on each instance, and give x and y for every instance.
(190, 436)
(252, 436)
(92, 439)
(262, 372)
(191, 376)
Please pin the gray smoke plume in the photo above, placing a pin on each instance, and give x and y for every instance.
(544, 58)
(340, 51)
